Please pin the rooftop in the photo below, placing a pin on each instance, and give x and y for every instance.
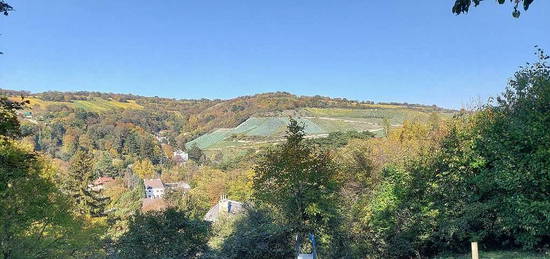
(153, 183)
(227, 206)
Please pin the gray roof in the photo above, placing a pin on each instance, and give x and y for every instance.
(233, 207)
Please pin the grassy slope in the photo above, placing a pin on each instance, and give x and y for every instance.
(95, 105)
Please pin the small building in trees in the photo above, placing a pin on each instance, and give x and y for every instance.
(224, 207)
(154, 188)
(180, 156)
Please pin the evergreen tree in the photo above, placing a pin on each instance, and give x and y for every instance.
(9, 124)
(78, 185)
(196, 154)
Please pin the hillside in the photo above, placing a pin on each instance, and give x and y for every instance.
(318, 122)
(222, 128)
(57, 122)
(198, 117)
(94, 104)
(230, 127)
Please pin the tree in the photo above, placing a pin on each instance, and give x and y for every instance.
(5, 8)
(387, 126)
(164, 234)
(207, 186)
(254, 234)
(144, 168)
(9, 124)
(487, 162)
(125, 203)
(512, 146)
(77, 184)
(104, 166)
(486, 181)
(35, 217)
(196, 154)
(382, 198)
(463, 6)
(298, 182)
(339, 139)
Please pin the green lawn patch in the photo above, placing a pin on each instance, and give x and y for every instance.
(499, 255)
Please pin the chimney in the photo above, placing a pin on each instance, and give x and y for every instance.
(224, 205)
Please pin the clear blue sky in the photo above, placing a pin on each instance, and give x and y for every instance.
(401, 50)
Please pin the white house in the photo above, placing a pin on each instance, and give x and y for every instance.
(153, 188)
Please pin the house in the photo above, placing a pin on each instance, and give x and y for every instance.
(153, 188)
(224, 207)
(154, 192)
(180, 156)
(100, 183)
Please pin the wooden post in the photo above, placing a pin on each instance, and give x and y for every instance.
(475, 254)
